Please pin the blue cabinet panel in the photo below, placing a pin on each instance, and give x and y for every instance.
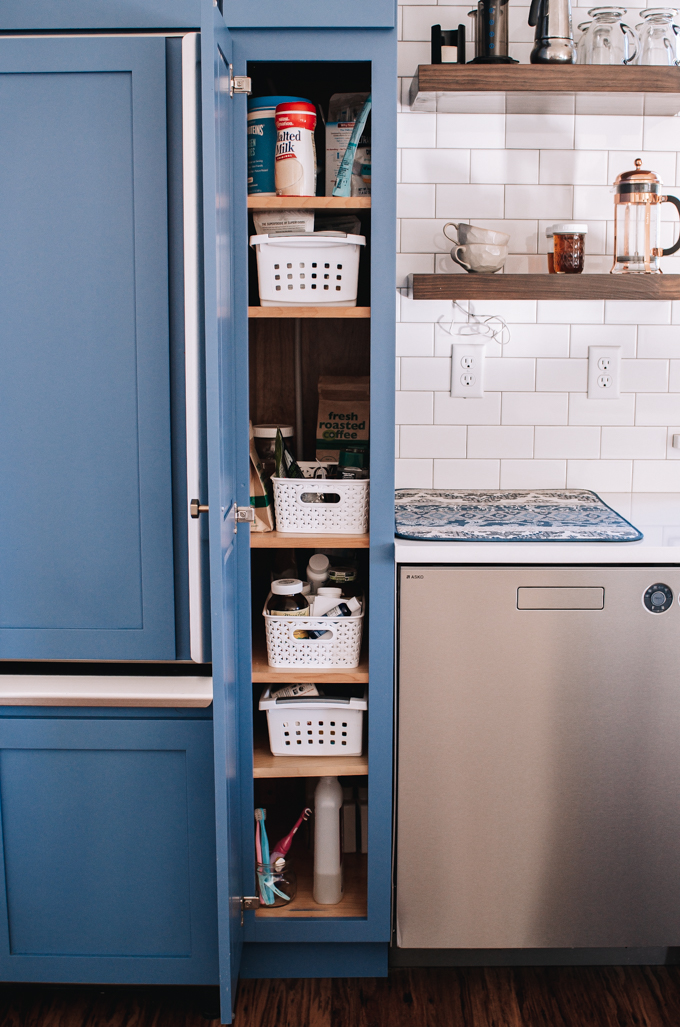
(296, 14)
(86, 552)
(42, 15)
(109, 851)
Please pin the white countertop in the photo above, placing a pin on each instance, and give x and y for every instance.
(655, 514)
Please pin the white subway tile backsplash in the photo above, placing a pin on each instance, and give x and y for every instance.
(521, 311)
(466, 474)
(573, 167)
(423, 235)
(656, 476)
(657, 408)
(567, 443)
(600, 132)
(397, 374)
(416, 128)
(561, 375)
(644, 375)
(633, 443)
(503, 166)
(674, 379)
(585, 335)
(431, 440)
(661, 134)
(534, 408)
(424, 310)
(426, 373)
(590, 201)
(659, 341)
(538, 340)
(415, 340)
(501, 442)
(413, 474)
(415, 201)
(662, 163)
(538, 201)
(450, 410)
(436, 166)
(601, 411)
(571, 311)
(671, 452)
(413, 263)
(509, 374)
(600, 475)
(413, 407)
(418, 19)
(533, 474)
(471, 131)
(464, 202)
(539, 131)
(650, 312)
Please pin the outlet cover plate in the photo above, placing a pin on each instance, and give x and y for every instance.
(467, 370)
(604, 372)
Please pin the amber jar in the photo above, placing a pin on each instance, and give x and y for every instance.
(569, 247)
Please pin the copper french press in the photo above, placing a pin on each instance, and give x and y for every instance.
(637, 225)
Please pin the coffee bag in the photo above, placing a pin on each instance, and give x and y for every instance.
(343, 417)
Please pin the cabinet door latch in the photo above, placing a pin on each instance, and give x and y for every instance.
(249, 902)
(244, 513)
(196, 508)
(240, 84)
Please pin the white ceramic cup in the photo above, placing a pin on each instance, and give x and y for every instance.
(480, 258)
(471, 234)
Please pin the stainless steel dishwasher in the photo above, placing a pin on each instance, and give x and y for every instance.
(538, 757)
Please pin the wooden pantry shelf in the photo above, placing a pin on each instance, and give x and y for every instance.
(309, 311)
(546, 287)
(354, 900)
(267, 765)
(281, 540)
(546, 89)
(309, 202)
(263, 673)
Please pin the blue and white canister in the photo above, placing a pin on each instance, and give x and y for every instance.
(262, 143)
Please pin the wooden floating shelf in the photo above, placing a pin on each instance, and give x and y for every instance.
(546, 89)
(546, 287)
(309, 202)
(354, 900)
(277, 540)
(309, 311)
(263, 673)
(267, 765)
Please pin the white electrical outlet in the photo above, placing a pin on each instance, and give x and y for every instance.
(467, 370)
(604, 372)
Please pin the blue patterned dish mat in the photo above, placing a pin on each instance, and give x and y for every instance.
(527, 515)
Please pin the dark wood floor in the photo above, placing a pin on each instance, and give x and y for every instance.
(470, 997)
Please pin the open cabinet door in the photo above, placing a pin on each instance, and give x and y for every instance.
(221, 411)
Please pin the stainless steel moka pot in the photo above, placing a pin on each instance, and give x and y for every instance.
(553, 39)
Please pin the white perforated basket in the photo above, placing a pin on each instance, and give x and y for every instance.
(298, 513)
(314, 727)
(308, 270)
(339, 649)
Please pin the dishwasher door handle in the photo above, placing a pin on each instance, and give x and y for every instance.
(530, 597)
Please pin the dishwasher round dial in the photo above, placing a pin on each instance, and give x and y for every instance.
(658, 598)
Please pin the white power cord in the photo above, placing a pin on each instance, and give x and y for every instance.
(493, 327)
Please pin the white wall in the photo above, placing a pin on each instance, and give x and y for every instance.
(535, 428)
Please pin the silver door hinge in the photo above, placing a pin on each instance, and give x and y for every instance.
(240, 84)
(249, 902)
(244, 513)
(196, 508)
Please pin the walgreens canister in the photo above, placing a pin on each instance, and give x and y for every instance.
(262, 143)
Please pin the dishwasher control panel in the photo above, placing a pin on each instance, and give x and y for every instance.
(658, 598)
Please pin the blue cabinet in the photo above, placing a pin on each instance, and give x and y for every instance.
(108, 850)
(310, 14)
(86, 550)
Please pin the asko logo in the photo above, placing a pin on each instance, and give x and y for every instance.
(414, 576)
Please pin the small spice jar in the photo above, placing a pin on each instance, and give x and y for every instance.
(569, 247)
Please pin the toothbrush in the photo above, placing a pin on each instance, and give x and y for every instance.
(260, 815)
(282, 847)
(258, 852)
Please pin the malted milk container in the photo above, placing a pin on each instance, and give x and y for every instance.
(262, 143)
(295, 150)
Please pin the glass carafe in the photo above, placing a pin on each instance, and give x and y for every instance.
(610, 40)
(659, 37)
(582, 42)
(638, 196)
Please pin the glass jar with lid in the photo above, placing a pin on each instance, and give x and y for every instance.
(265, 444)
(569, 246)
(638, 196)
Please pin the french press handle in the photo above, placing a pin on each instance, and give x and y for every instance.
(676, 245)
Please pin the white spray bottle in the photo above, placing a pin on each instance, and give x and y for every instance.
(327, 842)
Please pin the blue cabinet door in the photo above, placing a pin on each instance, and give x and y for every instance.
(86, 549)
(227, 385)
(312, 14)
(107, 851)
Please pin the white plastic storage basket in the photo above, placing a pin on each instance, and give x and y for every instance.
(314, 726)
(298, 512)
(308, 270)
(339, 649)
